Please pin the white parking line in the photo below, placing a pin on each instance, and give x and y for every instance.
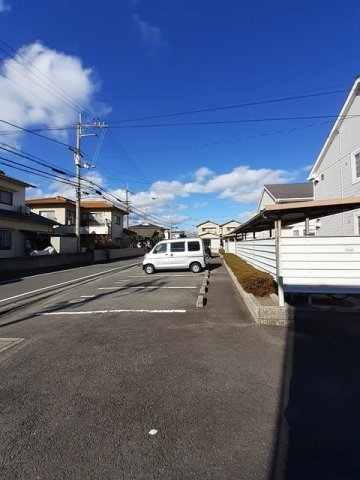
(156, 275)
(59, 284)
(151, 287)
(92, 312)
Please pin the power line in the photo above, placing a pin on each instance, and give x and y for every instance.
(225, 122)
(36, 134)
(34, 159)
(231, 140)
(227, 107)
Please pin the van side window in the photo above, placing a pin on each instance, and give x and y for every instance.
(177, 247)
(161, 248)
(194, 246)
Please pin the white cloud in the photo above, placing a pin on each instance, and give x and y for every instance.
(41, 86)
(151, 35)
(4, 7)
(241, 185)
(202, 173)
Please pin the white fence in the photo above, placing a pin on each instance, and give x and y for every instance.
(306, 264)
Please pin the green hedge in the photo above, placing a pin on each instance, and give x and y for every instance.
(260, 284)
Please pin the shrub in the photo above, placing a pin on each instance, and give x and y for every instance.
(253, 281)
(221, 251)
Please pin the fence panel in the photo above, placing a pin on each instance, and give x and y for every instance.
(307, 264)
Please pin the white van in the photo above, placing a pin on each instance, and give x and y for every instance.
(182, 253)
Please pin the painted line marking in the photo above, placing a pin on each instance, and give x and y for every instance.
(88, 296)
(77, 300)
(153, 288)
(60, 284)
(92, 312)
(174, 275)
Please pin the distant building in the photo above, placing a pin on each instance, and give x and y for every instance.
(212, 233)
(20, 229)
(101, 221)
(148, 231)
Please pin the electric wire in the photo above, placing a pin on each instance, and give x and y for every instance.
(227, 107)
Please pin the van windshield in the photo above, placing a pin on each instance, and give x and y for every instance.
(161, 248)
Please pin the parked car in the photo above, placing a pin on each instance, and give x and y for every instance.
(184, 253)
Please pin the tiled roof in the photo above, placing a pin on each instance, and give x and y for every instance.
(291, 190)
(26, 217)
(20, 182)
(207, 221)
(100, 204)
(49, 201)
(146, 225)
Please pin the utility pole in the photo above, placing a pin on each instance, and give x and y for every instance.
(80, 127)
(127, 191)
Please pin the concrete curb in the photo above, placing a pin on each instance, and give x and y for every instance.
(201, 299)
(264, 314)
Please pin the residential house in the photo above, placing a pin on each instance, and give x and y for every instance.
(210, 232)
(148, 231)
(101, 222)
(228, 227)
(288, 193)
(20, 229)
(336, 171)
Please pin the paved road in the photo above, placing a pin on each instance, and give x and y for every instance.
(197, 394)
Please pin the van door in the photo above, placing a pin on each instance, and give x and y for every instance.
(178, 255)
(160, 255)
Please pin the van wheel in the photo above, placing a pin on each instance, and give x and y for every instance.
(149, 269)
(195, 267)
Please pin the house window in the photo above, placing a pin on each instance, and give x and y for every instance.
(6, 197)
(5, 239)
(296, 233)
(48, 214)
(355, 166)
(70, 217)
(117, 220)
(92, 219)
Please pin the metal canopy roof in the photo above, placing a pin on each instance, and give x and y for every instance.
(290, 213)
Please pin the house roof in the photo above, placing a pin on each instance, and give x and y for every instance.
(146, 225)
(230, 221)
(334, 131)
(207, 221)
(101, 205)
(20, 182)
(287, 191)
(26, 217)
(295, 212)
(58, 200)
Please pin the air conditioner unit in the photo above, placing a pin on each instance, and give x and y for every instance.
(24, 209)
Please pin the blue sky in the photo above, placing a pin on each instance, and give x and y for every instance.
(204, 101)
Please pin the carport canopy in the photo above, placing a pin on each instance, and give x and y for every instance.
(295, 212)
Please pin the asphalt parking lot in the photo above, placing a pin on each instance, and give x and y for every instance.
(120, 376)
(130, 291)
